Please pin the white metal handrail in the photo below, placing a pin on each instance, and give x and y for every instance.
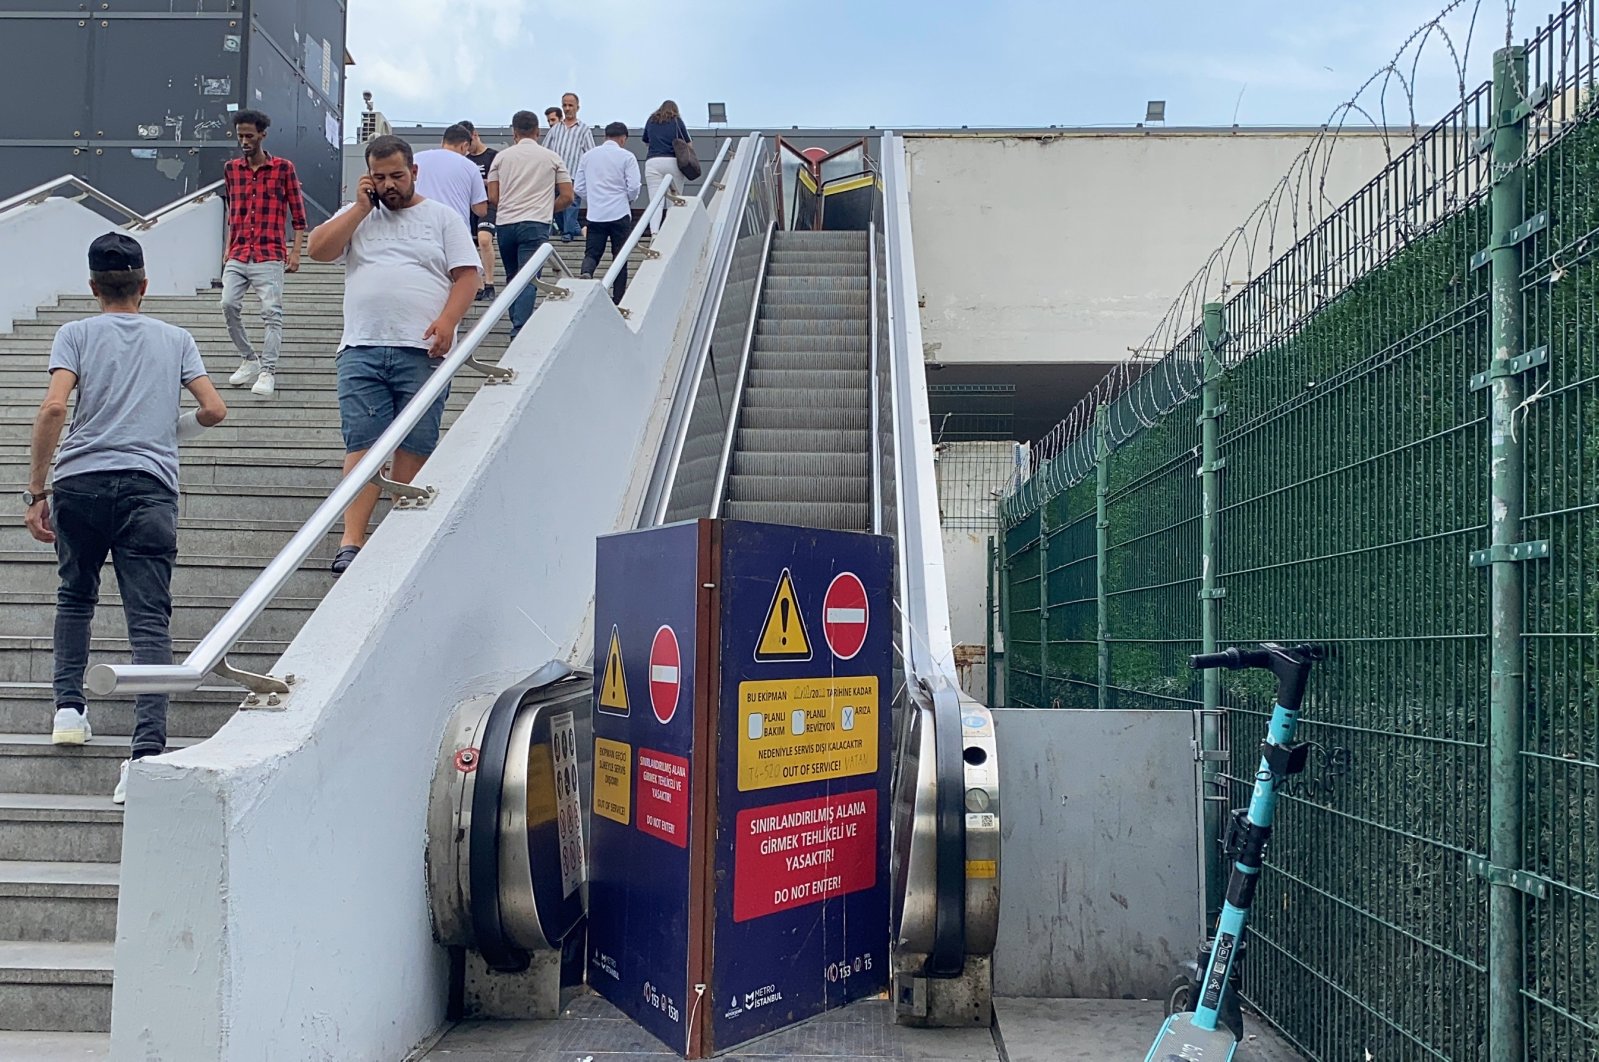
(211, 652)
(654, 210)
(709, 182)
(135, 220)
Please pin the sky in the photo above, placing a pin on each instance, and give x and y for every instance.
(934, 63)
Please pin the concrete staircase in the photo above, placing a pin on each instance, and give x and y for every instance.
(246, 486)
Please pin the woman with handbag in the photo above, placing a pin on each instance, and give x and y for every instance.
(670, 155)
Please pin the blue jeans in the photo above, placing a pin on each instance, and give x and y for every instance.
(567, 223)
(375, 383)
(519, 242)
(134, 517)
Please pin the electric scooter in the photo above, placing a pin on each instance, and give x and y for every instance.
(1202, 1035)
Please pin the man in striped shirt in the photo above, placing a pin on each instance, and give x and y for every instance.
(569, 139)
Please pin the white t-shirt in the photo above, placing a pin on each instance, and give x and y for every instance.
(448, 177)
(397, 273)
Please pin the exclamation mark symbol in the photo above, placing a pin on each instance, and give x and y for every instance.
(614, 678)
(783, 605)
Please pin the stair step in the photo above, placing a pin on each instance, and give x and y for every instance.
(55, 1046)
(29, 707)
(55, 987)
(28, 658)
(201, 540)
(35, 572)
(30, 764)
(192, 617)
(48, 900)
(85, 828)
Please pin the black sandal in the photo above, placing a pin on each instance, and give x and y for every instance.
(343, 558)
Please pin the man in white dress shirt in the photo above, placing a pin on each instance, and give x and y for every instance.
(608, 180)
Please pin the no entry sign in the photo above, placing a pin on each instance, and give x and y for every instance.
(845, 615)
(665, 673)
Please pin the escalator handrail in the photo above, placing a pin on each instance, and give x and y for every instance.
(929, 656)
(658, 495)
(931, 682)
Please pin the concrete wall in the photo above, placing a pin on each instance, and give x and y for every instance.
(1070, 246)
(273, 903)
(182, 252)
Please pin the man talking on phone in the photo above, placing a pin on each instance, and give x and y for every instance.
(410, 273)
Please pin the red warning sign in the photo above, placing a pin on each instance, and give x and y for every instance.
(663, 796)
(789, 855)
(844, 615)
(666, 667)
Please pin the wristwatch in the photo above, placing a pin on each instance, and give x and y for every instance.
(30, 499)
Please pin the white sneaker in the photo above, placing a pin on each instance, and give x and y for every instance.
(71, 727)
(266, 385)
(245, 373)
(119, 795)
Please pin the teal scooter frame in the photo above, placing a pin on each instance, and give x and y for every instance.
(1199, 1035)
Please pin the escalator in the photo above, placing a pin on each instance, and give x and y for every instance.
(802, 401)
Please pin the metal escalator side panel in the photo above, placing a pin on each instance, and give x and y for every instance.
(948, 955)
(499, 950)
(981, 801)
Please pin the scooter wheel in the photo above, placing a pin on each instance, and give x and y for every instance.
(1179, 994)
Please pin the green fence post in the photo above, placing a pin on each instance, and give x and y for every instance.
(1101, 546)
(1210, 595)
(993, 560)
(1507, 651)
(1044, 700)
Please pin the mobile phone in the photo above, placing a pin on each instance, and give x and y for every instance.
(377, 200)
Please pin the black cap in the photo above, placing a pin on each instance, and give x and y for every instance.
(115, 253)
(616, 129)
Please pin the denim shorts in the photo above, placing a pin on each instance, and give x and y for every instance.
(375, 383)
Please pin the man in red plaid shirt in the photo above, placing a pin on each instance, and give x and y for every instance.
(263, 195)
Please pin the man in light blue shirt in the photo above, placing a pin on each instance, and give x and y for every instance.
(608, 179)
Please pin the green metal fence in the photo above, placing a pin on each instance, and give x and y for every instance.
(1388, 442)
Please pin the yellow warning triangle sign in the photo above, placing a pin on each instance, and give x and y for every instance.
(783, 635)
(613, 685)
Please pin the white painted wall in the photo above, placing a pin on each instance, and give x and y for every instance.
(272, 903)
(182, 252)
(1069, 246)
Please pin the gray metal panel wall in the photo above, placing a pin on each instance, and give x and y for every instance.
(136, 100)
(1099, 896)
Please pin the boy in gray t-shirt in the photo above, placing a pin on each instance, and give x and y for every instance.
(115, 489)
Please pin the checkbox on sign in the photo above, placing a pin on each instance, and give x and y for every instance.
(756, 727)
(849, 717)
(796, 722)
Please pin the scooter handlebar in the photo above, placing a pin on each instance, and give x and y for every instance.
(1236, 659)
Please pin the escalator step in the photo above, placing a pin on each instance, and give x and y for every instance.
(853, 302)
(832, 515)
(790, 488)
(812, 326)
(808, 441)
(801, 360)
(811, 269)
(848, 283)
(803, 464)
(805, 418)
(810, 380)
(815, 344)
(820, 257)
